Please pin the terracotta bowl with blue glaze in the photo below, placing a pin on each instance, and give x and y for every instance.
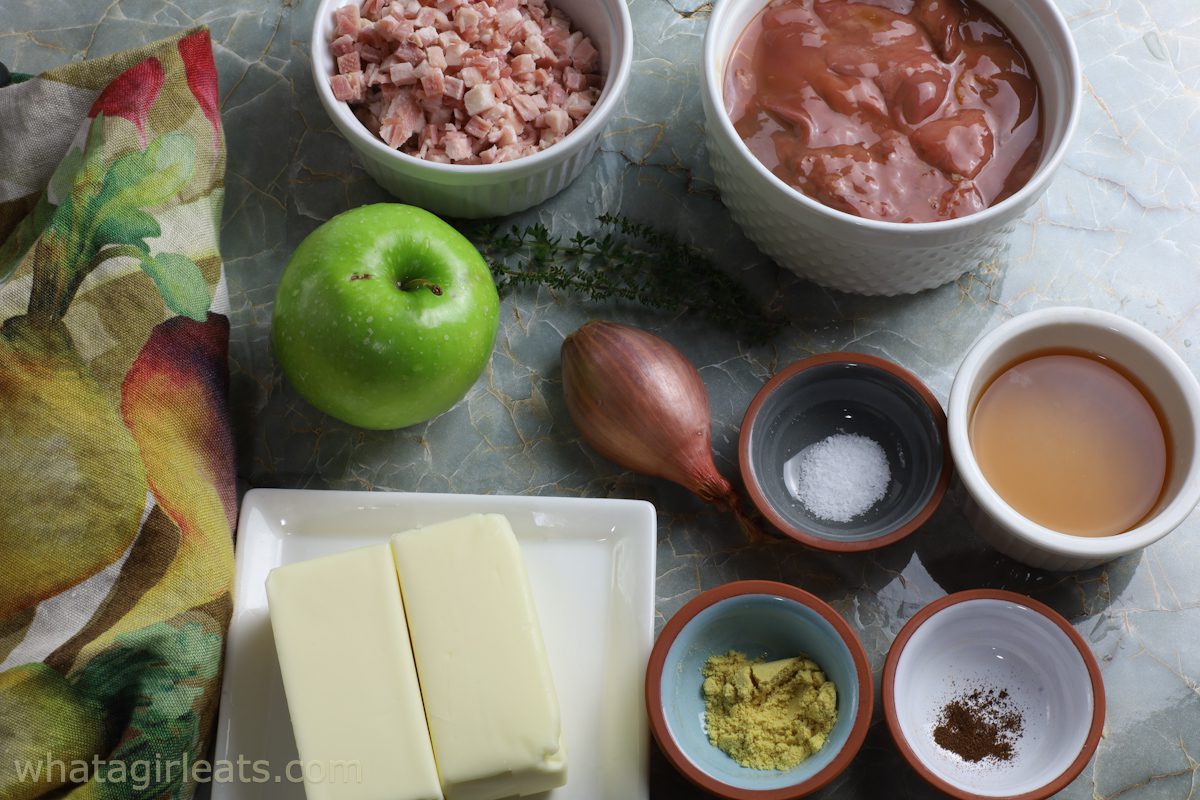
(764, 620)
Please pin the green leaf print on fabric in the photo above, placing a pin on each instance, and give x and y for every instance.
(106, 214)
(153, 677)
(181, 284)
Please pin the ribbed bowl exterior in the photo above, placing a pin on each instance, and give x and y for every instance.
(837, 254)
(845, 252)
(475, 196)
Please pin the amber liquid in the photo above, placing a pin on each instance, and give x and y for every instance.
(1072, 442)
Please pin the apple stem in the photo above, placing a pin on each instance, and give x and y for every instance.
(413, 284)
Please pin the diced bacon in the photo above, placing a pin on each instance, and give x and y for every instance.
(426, 17)
(526, 107)
(509, 20)
(572, 42)
(556, 120)
(514, 151)
(463, 81)
(347, 88)
(504, 88)
(508, 134)
(478, 127)
(342, 45)
(393, 30)
(441, 116)
(453, 87)
(424, 37)
(556, 39)
(467, 19)
(498, 113)
(479, 98)
(434, 83)
(556, 95)
(403, 74)
(522, 64)
(585, 56)
(500, 43)
(455, 53)
(471, 76)
(345, 20)
(431, 135)
(574, 80)
(535, 46)
(405, 116)
(457, 145)
(369, 54)
(349, 63)
(578, 106)
(411, 53)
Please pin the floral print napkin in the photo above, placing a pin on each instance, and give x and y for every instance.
(117, 498)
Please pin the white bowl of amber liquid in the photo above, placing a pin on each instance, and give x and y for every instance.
(841, 250)
(1076, 436)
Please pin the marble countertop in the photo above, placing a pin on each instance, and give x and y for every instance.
(1119, 229)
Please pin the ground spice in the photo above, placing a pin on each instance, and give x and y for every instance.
(981, 724)
(769, 715)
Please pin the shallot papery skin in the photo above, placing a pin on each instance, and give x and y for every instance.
(639, 402)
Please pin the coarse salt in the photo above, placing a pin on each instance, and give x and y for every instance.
(840, 477)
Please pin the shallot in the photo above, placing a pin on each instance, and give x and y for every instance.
(639, 402)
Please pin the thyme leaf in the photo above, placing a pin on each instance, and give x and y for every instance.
(626, 261)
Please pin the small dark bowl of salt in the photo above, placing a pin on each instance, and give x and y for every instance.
(845, 452)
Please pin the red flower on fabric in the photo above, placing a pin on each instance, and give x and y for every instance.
(131, 94)
(196, 51)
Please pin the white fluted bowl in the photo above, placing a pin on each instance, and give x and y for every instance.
(488, 190)
(1149, 359)
(842, 251)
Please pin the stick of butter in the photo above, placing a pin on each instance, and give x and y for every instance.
(489, 695)
(350, 680)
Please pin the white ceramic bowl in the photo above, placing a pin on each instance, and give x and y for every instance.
(1128, 344)
(853, 254)
(1001, 640)
(488, 190)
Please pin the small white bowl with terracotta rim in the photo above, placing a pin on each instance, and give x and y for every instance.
(488, 190)
(1145, 356)
(848, 393)
(760, 619)
(991, 639)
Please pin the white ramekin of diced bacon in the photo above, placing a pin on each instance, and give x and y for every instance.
(472, 108)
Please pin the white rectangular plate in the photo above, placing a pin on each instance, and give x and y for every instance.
(591, 564)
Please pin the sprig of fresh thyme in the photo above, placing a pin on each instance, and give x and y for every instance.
(629, 261)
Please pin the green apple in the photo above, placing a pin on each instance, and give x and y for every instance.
(385, 316)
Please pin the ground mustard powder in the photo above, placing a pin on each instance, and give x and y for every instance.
(770, 715)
